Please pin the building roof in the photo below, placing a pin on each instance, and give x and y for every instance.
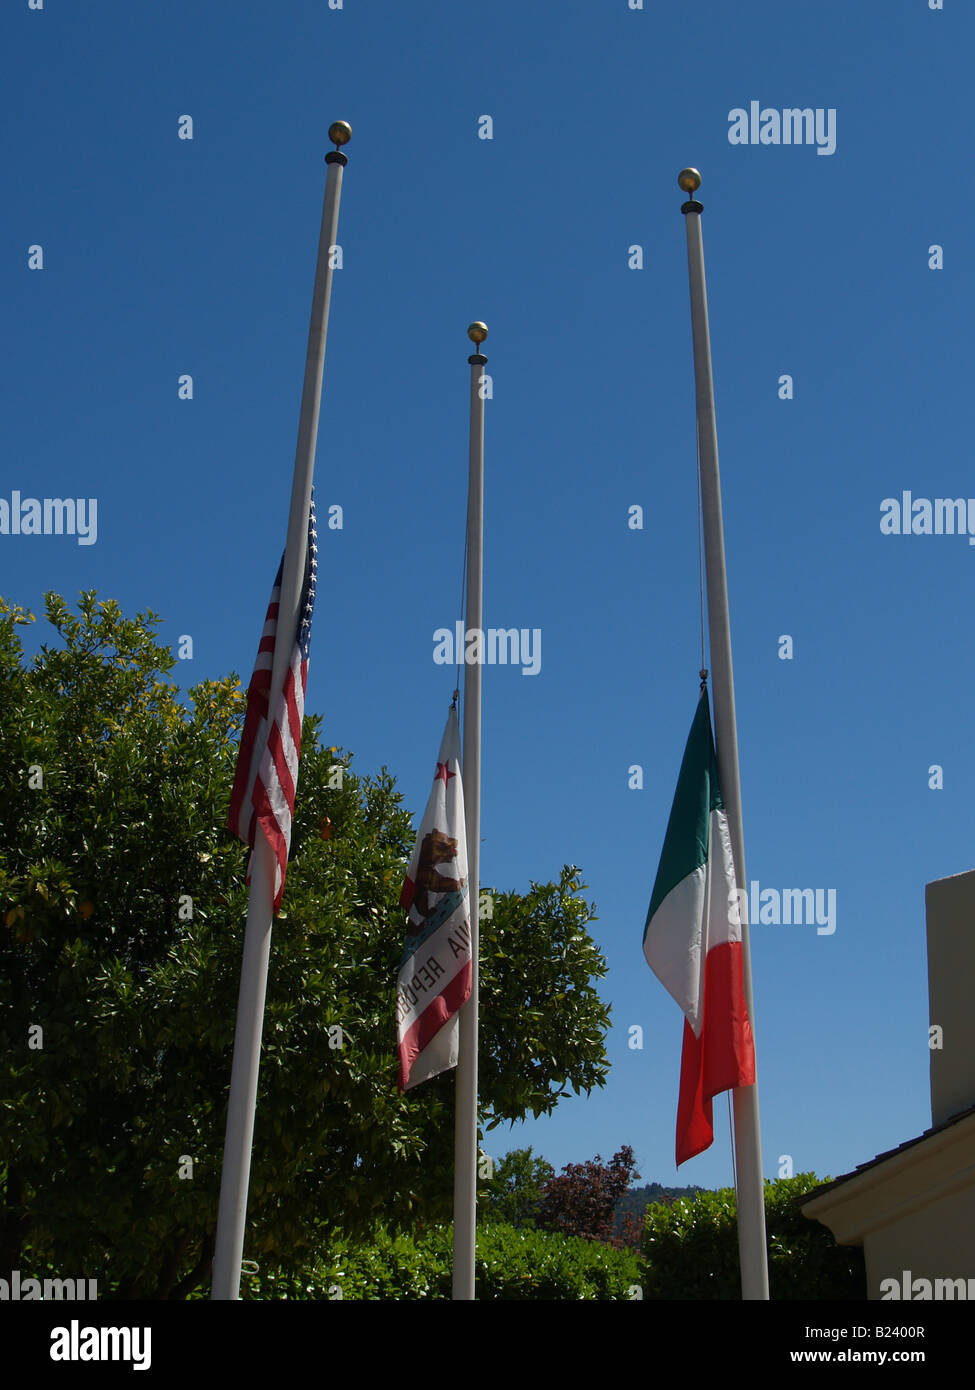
(882, 1158)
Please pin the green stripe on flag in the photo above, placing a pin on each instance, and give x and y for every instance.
(697, 795)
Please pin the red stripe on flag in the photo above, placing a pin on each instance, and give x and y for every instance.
(264, 783)
(239, 801)
(280, 764)
(294, 718)
(265, 817)
(438, 1012)
(722, 1058)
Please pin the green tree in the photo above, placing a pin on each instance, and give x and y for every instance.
(581, 1201)
(515, 1192)
(122, 904)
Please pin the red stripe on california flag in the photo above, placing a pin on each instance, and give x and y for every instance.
(438, 1012)
(722, 1058)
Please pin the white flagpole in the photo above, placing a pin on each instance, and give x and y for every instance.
(235, 1177)
(465, 1130)
(752, 1251)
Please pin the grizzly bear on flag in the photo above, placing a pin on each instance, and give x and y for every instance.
(436, 848)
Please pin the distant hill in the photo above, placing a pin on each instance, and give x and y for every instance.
(637, 1199)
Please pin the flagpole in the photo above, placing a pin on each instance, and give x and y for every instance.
(235, 1177)
(465, 1131)
(752, 1251)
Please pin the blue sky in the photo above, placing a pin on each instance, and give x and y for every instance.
(165, 256)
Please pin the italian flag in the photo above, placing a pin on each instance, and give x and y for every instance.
(692, 941)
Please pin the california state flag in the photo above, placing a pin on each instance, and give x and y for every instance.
(692, 941)
(435, 974)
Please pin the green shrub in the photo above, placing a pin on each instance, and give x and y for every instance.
(524, 1264)
(690, 1249)
(510, 1264)
(385, 1267)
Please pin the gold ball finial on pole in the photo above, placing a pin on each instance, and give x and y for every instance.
(340, 133)
(689, 180)
(477, 332)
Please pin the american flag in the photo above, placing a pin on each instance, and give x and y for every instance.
(267, 766)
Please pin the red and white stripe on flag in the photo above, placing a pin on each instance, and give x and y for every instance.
(266, 778)
(435, 973)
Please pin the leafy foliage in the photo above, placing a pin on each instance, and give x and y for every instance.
(542, 1024)
(582, 1199)
(691, 1249)
(515, 1192)
(122, 905)
(512, 1264)
(630, 1210)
